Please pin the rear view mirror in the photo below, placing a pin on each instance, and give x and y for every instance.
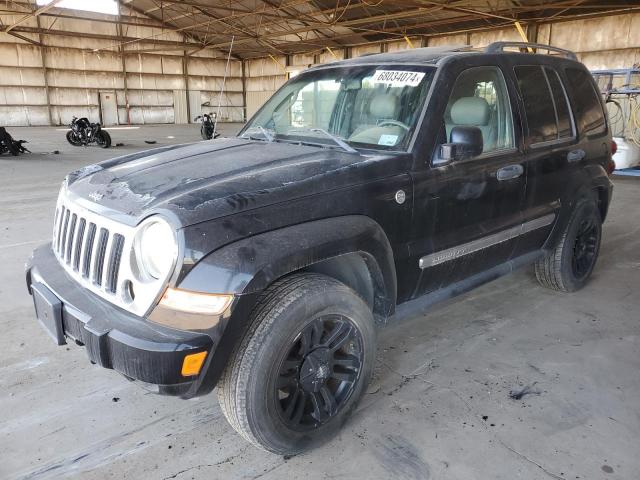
(466, 142)
(352, 84)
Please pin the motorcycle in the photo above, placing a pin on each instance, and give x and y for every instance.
(207, 128)
(8, 144)
(83, 132)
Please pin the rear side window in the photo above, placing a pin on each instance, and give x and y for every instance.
(586, 102)
(538, 105)
(563, 114)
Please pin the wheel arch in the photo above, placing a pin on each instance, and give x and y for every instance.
(352, 249)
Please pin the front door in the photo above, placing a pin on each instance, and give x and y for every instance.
(472, 206)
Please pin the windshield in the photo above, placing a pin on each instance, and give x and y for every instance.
(376, 107)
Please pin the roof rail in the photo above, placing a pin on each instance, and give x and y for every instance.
(498, 47)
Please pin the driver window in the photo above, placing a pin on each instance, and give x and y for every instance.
(479, 98)
(309, 107)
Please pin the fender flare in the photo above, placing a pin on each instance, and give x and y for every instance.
(568, 202)
(250, 265)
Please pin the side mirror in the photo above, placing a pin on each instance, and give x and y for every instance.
(466, 142)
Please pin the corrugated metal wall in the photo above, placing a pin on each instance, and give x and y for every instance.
(75, 75)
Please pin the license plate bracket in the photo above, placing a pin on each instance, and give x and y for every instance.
(49, 312)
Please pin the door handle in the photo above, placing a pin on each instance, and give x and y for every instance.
(575, 155)
(509, 172)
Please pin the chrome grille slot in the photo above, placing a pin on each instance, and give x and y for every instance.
(88, 250)
(114, 262)
(70, 236)
(101, 249)
(78, 245)
(63, 240)
(58, 230)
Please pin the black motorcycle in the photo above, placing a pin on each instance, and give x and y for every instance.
(8, 144)
(83, 132)
(207, 130)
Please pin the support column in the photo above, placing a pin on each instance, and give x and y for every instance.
(244, 91)
(532, 32)
(185, 79)
(43, 58)
(124, 69)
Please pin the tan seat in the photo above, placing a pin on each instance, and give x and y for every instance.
(383, 106)
(473, 112)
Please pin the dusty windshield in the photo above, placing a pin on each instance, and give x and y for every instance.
(376, 107)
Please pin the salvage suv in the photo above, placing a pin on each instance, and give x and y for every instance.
(263, 263)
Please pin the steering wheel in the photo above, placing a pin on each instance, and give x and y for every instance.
(394, 122)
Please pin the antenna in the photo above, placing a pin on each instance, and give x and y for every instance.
(224, 81)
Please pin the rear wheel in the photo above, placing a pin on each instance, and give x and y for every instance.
(14, 148)
(302, 366)
(103, 139)
(568, 267)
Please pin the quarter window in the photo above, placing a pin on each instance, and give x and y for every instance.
(563, 114)
(586, 101)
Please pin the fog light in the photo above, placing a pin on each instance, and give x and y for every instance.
(193, 363)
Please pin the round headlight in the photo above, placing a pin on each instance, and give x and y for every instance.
(156, 248)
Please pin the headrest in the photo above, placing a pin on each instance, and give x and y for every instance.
(470, 111)
(384, 105)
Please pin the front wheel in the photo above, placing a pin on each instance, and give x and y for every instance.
(302, 366)
(568, 267)
(72, 138)
(205, 133)
(103, 139)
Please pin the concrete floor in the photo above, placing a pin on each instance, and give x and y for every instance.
(439, 405)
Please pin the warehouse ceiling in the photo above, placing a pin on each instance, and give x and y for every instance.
(260, 28)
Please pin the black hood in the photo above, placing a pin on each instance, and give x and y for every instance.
(206, 180)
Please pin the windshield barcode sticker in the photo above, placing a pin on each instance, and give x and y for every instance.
(398, 78)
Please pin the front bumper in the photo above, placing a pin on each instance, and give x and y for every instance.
(116, 339)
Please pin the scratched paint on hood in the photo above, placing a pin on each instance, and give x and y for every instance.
(206, 180)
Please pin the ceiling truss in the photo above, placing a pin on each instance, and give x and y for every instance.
(262, 28)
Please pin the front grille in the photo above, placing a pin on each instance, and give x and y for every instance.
(88, 248)
(97, 251)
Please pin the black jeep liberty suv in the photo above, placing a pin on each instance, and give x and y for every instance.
(262, 263)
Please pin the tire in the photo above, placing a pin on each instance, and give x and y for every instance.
(263, 391)
(568, 267)
(14, 149)
(204, 133)
(103, 139)
(71, 138)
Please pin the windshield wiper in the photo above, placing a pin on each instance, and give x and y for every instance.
(336, 139)
(266, 134)
(268, 137)
(339, 141)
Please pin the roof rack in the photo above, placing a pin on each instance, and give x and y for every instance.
(498, 47)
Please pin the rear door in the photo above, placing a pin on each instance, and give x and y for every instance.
(551, 151)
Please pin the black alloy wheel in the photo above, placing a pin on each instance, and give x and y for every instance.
(568, 265)
(585, 248)
(318, 374)
(302, 366)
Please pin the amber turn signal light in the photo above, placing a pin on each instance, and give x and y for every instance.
(192, 364)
